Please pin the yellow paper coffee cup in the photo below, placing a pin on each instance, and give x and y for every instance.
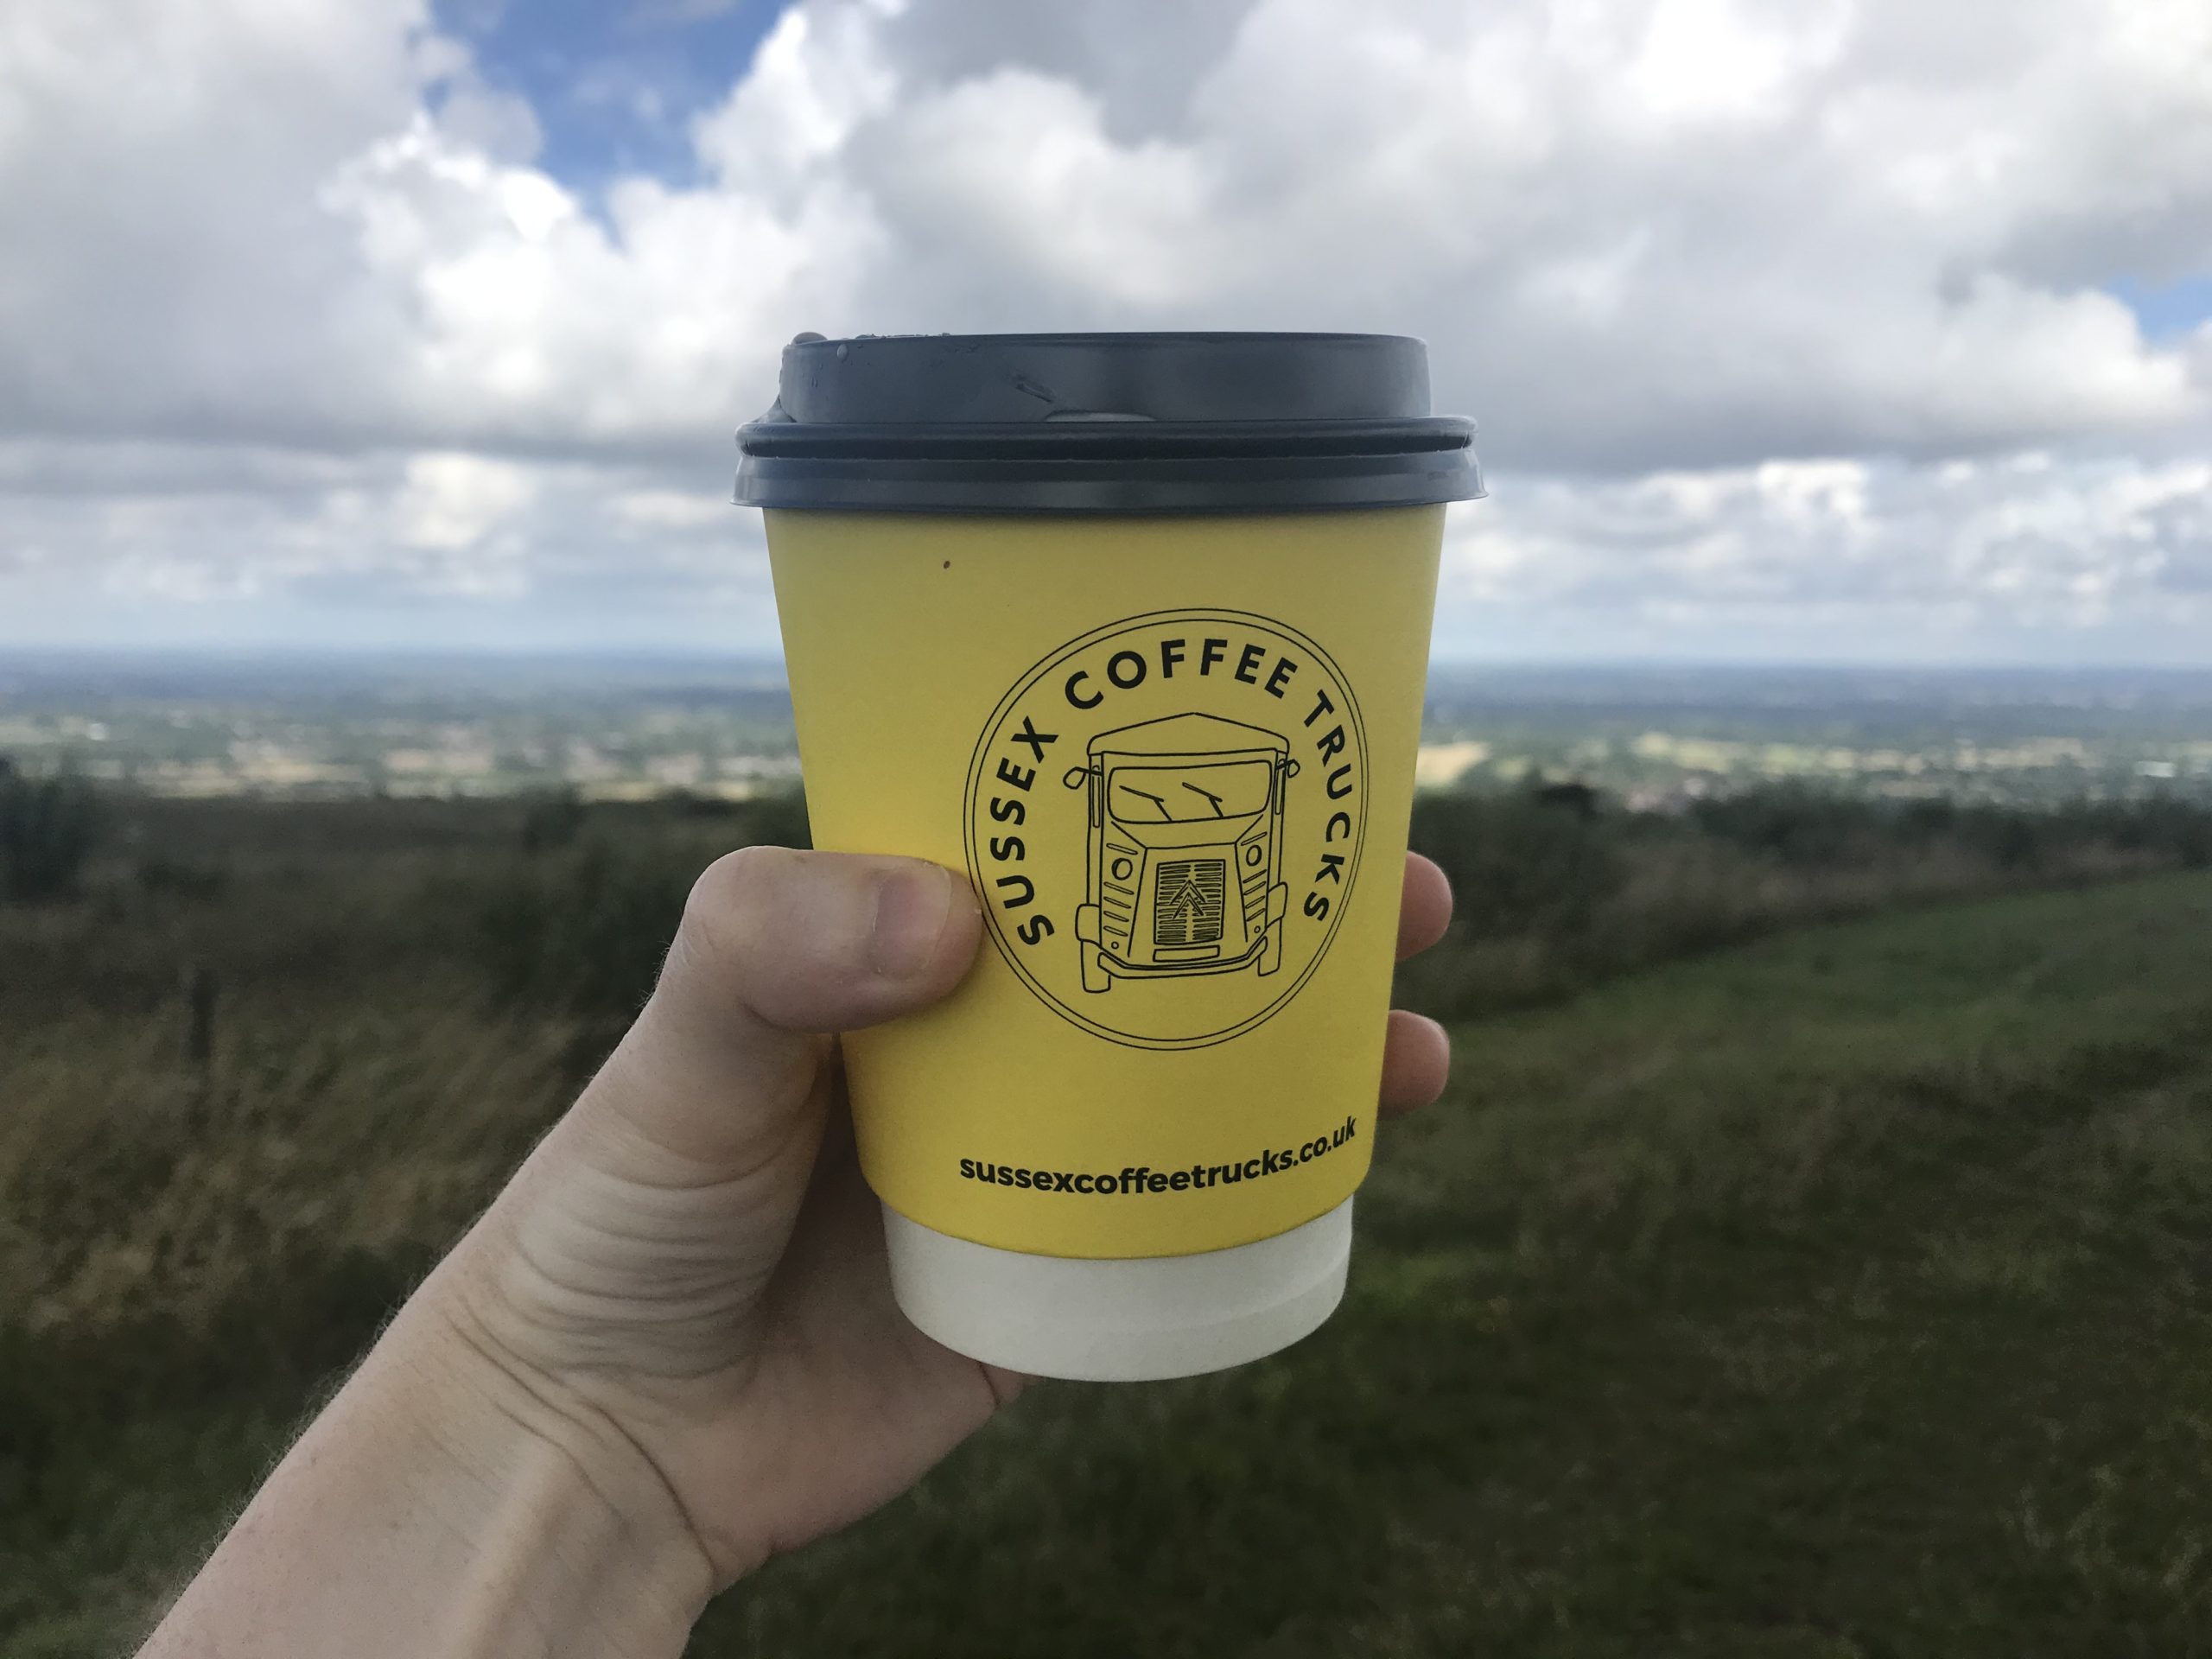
(1133, 630)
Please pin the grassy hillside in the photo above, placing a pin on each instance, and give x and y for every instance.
(1836, 1294)
(1840, 1296)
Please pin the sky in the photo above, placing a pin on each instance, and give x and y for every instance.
(1869, 331)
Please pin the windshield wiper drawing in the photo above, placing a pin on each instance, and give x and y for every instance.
(1212, 799)
(1165, 815)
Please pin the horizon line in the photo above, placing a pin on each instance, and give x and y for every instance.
(497, 655)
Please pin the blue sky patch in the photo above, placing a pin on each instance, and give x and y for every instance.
(2165, 309)
(613, 85)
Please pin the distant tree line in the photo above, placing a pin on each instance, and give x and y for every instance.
(1558, 885)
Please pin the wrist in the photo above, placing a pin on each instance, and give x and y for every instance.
(571, 1525)
(438, 1507)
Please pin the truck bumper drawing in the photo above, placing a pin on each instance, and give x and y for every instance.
(1183, 850)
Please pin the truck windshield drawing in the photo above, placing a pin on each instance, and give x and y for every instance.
(1186, 794)
(1182, 851)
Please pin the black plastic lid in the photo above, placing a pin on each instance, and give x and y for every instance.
(1087, 423)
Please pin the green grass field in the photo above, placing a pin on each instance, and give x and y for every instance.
(1837, 1294)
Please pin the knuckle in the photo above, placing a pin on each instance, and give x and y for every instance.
(737, 879)
(727, 903)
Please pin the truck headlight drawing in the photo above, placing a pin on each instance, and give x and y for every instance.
(1184, 852)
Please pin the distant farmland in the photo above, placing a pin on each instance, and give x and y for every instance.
(615, 729)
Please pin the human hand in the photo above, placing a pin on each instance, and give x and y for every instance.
(668, 1350)
(692, 1262)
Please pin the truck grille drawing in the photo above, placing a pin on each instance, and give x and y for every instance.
(1184, 854)
(1186, 901)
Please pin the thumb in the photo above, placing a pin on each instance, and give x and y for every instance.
(777, 948)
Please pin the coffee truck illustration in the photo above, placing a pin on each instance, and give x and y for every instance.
(1184, 850)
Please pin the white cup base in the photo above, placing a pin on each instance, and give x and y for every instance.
(1127, 1321)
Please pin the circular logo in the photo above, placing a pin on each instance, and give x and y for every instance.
(1164, 820)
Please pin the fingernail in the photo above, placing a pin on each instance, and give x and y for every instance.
(911, 907)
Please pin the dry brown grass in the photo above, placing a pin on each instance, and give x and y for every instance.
(140, 1184)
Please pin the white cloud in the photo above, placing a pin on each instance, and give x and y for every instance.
(2017, 556)
(1754, 301)
(652, 510)
(1722, 61)
(819, 76)
(164, 260)
(453, 502)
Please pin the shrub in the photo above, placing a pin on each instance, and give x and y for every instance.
(48, 828)
(552, 819)
(777, 820)
(1518, 863)
(1794, 824)
(583, 932)
(174, 877)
